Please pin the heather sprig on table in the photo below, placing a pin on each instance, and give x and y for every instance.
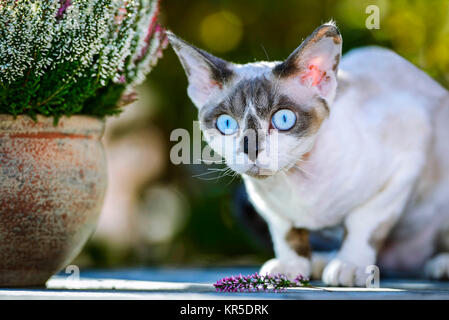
(256, 283)
(64, 57)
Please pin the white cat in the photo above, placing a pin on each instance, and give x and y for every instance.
(367, 148)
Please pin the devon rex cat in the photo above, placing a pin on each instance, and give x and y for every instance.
(366, 147)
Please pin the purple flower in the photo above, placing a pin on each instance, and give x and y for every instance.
(63, 8)
(256, 283)
(122, 79)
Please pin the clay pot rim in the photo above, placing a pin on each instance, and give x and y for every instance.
(74, 125)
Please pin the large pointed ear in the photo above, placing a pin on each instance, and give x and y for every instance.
(315, 62)
(206, 74)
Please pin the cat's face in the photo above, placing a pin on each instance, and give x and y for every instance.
(263, 117)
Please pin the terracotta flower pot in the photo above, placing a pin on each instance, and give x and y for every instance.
(52, 184)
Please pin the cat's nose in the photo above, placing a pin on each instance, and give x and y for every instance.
(251, 150)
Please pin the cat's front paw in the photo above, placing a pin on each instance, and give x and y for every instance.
(344, 273)
(438, 267)
(290, 268)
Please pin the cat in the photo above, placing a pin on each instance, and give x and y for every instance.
(359, 141)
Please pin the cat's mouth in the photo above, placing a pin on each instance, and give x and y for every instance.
(259, 173)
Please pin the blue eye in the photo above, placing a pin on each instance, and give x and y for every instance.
(227, 124)
(284, 119)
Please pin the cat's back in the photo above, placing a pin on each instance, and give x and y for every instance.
(387, 94)
(385, 108)
(384, 71)
(393, 102)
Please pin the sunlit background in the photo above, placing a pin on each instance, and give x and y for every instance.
(157, 213)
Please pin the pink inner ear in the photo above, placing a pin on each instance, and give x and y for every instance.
(313, 76)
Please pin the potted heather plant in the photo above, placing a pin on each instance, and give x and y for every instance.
(64, 66)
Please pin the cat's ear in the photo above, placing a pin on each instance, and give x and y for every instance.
(315, 62)
(206, 74)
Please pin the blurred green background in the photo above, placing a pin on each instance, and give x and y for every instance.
(157, 213)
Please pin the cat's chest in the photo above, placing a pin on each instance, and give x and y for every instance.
(304, 204)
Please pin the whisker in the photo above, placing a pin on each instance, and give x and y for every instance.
(292, 163)
(265, 51)
(303, 160)
(203, 174)
(216, 169)
(234, 175)
(208, 179)
(211, 161)
(303, 170)
(224, 174)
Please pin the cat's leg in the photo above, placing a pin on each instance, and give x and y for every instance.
(366, 229)
(319, 261)
(438, 266)
(292, 251)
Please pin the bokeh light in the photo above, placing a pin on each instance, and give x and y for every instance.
(221, 31)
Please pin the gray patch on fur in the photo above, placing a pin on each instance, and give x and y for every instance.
(252, 123)
(324, 103)
(336, 63)
(260, 93)
(252, 136)
(256, 92)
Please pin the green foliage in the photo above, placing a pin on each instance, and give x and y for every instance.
(74, 56)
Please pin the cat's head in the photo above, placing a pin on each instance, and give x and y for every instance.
(263, 117)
